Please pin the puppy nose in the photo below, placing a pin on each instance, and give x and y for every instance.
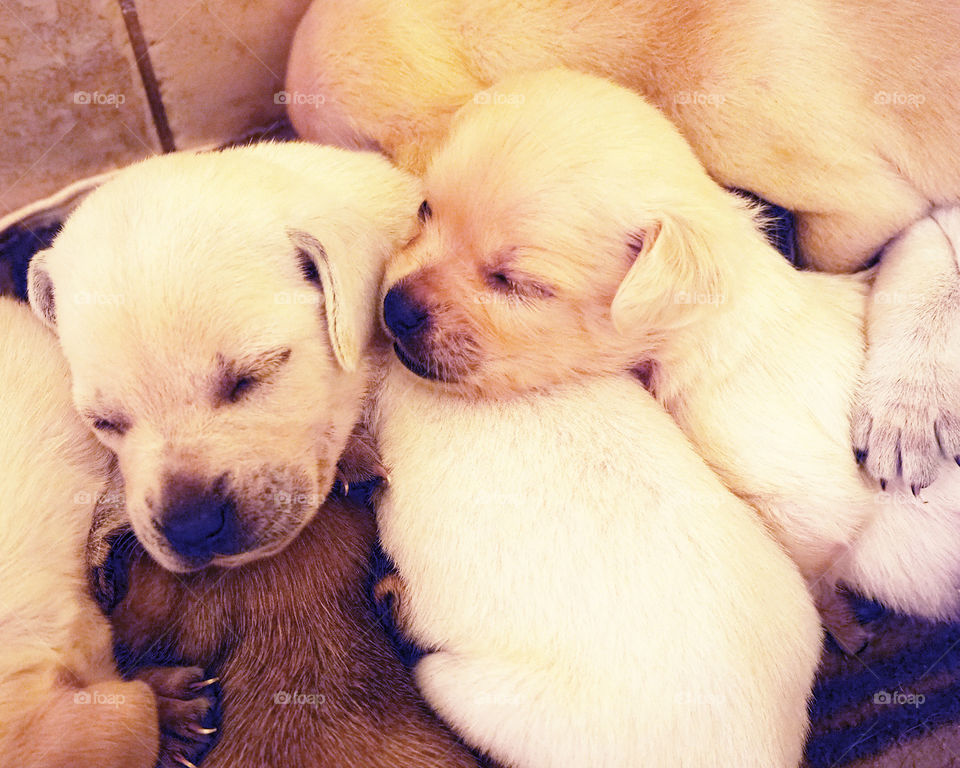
(402, 315)
(199, 523)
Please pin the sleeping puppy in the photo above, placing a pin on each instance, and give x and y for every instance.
(590, 592)
(216, 312)
(62, 702)
(836, 111)
(591, 239)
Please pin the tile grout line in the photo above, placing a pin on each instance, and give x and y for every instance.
(148, 77)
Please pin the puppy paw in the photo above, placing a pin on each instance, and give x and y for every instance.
(390, 590)
(906, 426)
(110, 544)
(186, 702)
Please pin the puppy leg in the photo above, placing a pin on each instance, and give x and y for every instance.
(109, 724)
(907, 415)
(845, 239)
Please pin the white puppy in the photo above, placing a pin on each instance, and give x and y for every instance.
(591, 214)
(215, 310)
(62, 702)
(592, 594)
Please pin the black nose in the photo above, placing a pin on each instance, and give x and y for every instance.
(199, 522)
(402, 315)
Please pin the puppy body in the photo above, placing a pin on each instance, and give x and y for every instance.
(766, 397)
(216, 311)
(655, 264)
(307, 676)
(588, 588)
(832, 110)
(62, 702)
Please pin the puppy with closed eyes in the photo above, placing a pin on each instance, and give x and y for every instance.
(578, 231)
(837, 111)
(217, 314)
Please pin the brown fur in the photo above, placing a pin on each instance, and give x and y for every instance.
(295, 623)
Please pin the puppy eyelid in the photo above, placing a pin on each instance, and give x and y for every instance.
(236, 380)
(113, 425)
(424, 212)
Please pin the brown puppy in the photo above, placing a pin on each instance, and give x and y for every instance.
(307, 675)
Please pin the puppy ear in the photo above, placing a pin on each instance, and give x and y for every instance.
(40, 291)
(673, 269)
(348, 295)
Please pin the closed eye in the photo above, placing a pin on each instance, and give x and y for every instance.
(237, 380)
(518, 285)
(240, 387)
(109, 425)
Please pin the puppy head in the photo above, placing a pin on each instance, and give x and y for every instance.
(567, 228)
(216, 311)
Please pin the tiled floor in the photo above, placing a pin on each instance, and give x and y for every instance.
(73, 96)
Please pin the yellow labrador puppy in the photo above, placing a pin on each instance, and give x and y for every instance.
(62, 702)
(591, 593)
(840, 111)
(578, 231)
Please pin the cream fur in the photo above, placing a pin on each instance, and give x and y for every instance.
(591, 593)
(838, 111)
(595, 196)
(842, 112)
(183, 262)
(62, 702)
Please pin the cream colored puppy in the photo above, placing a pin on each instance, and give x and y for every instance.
(577, 230)
(591, 593)
(842, 112)
(62, 702)
(215, 312)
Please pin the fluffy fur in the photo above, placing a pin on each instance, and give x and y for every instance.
(838, 111)
(614, 248)
(306, 673)
(215, 310)
(62, 702)
(587, 587)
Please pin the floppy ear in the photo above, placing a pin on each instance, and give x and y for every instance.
(350, 288)
(675, 266)
(40, 291)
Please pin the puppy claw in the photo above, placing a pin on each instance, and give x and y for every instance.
(883, 484)
(860, 455)
(185, 705)
(204, 684)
